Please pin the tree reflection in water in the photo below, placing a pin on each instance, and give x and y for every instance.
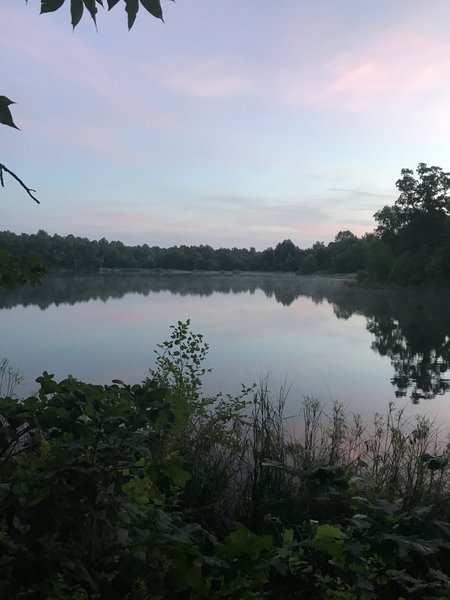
(410, 327)
(419, 355)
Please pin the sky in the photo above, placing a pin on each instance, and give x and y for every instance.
(234, 123)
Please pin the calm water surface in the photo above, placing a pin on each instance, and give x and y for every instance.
(325, 338)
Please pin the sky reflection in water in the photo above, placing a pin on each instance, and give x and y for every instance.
(322, 337)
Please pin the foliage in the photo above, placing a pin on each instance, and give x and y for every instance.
(7, 119)
(90, 501)
(308, 265)
(95, 500)
(17, 270)
(415, 230)
(77, 8)
(5, 112)
(76, 253)
(179, 362)
(429, 193)
(411, 245)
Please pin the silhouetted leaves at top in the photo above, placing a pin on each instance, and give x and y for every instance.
(5, 113)
(50, 5)
(131, 8)
(77, 8)
(153, 7)
(76, 11)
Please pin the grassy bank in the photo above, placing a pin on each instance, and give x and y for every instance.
(153, 491)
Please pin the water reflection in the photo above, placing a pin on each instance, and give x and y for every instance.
(410, 327)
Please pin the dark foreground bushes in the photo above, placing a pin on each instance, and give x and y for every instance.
(152, 491)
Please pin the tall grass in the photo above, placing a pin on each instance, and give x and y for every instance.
(249, 460)
(10, 378)
(257, 462)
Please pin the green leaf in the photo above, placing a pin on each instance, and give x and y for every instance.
(50, 5)
(76, 11)
(153, 7)
(92, 9)
(326, 532)
(242, 541)
(173, 468)
(5, 113)
(131, 7)
(112, 3)
(329, 539)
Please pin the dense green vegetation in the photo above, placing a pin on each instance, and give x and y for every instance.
(411, 245)
(153, 491)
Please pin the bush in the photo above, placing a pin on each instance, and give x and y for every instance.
(152, 491)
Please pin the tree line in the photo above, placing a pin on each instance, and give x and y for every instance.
(410, 245)
(80, 253)
(346, 254)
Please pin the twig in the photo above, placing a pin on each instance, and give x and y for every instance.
(25, 187)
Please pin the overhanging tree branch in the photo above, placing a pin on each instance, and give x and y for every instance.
(7, 119)
(25, 187)
(77, 8)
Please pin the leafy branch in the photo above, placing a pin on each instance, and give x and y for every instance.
(77, 8)
(7, 119)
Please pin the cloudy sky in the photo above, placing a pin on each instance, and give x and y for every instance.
(234, 123)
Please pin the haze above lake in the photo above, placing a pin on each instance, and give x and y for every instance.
(324, 337)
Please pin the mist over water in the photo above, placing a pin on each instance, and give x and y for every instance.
(321, 337)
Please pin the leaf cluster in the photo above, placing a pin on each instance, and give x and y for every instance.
(97, 499)
(77, 8)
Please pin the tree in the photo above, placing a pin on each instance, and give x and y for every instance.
(286, 256)
(415, 229)
(430, 192)
(308, 265)
(424, 200)
(346, 253)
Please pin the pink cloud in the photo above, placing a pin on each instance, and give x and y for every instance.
(388, 72)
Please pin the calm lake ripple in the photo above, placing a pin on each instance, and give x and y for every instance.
(322, 337)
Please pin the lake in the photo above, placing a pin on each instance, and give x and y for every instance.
(324, 337)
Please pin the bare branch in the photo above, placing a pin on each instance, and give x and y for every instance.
(25, 187)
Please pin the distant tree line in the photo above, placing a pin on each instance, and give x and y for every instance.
(411, 245)
(344, 255)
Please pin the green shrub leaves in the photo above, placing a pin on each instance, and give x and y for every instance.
(98, 502)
